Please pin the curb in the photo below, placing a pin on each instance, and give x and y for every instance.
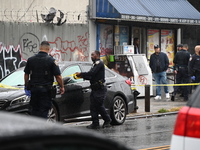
(151, 115)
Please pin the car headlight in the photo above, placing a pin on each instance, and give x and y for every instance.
(20, 100)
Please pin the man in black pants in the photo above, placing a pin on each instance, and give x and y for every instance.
(96, 75)
(41, 70)
(181, 61)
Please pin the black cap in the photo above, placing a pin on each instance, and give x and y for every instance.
(156, 46)
(180, 45)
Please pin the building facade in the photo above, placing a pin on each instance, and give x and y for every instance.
(165, 22)
(23, 25)
(76, 28)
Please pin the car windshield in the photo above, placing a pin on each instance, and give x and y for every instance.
(14, 79)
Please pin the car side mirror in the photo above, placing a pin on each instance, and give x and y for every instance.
(66, 80)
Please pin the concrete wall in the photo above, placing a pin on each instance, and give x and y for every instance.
(31, 10)
(19, 41)
(22, 29)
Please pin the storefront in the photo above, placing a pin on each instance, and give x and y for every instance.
(153, 22)
(118, 22)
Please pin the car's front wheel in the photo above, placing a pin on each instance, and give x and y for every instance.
(118, 111)
(53, 114)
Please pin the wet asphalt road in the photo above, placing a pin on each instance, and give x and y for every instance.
(138, 133)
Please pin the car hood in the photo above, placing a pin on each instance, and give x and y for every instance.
(10, 94)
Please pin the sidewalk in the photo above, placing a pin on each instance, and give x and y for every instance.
(156, 105)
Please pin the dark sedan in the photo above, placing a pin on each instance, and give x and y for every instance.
(75, 102)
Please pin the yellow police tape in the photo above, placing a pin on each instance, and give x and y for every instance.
(7, 86)
(54, 83)
(75, 77)
(186, 84)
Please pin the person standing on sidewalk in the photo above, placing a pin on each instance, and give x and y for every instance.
(181, 61)
(194, 64)
(159, 63)
(179, 90)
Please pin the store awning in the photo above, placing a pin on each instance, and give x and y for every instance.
(158, 11)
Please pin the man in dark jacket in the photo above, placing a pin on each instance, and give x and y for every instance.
(159, 63)
(181, 61)
(96, 75)
(194, 64)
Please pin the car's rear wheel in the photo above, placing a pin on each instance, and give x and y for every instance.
(53, 115)
(118, 111)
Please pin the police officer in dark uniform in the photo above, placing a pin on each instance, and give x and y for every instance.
(181, 61)
(41, 70)
(195, 64)
(96, 75)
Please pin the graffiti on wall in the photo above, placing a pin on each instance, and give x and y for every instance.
(30, 44)
(10, 59)
(70, 50)
(13, 57)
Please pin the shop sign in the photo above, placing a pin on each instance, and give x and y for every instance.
(174, 20)
(159, 19)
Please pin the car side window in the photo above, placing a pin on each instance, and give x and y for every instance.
(68, 72)
(87, 67)
(109, 74)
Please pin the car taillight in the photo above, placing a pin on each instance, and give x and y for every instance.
(188, 122)
(180, 122)
(128, 82)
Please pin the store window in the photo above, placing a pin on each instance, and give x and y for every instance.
(121, 35)
(167, 44)
(110, 36)
(106, 39)
(153, 38)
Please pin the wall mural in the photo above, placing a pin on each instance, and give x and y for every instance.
(15, 56)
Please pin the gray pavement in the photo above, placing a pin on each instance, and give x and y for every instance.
(156, 105)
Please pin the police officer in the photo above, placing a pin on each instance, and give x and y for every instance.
(96, 75)
(41, 70)
(181, 61)
(195, 64)
(179, 47)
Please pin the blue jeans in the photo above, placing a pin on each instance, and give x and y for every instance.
(160, 78)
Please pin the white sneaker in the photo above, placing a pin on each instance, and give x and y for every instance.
(157, 97)
(167, 96)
